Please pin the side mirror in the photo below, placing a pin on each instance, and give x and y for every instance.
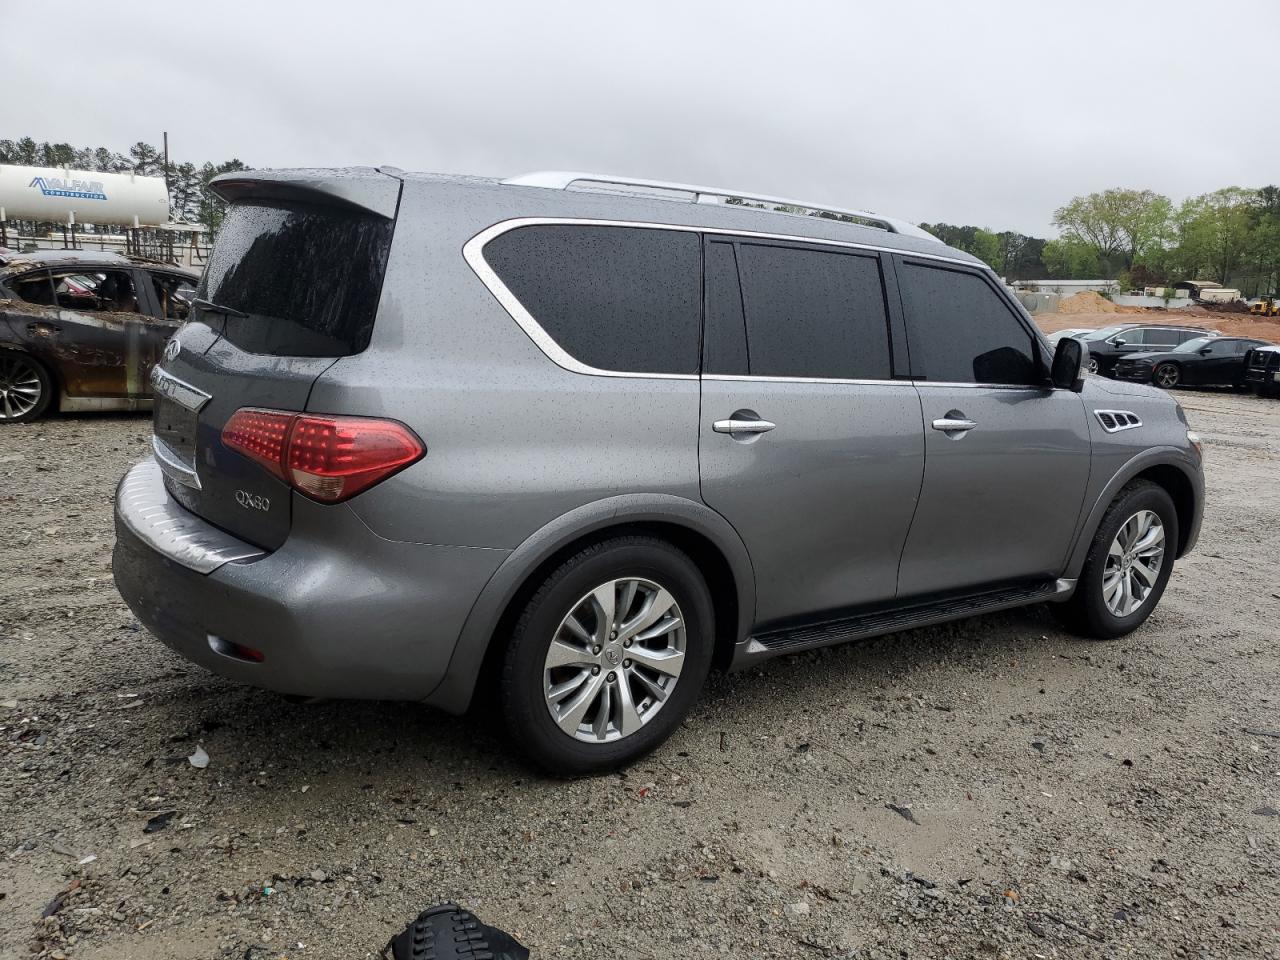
(1205, 351)
(1119, 341)
(1068, 364)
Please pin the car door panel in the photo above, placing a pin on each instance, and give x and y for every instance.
(1000, 501)
(823, 501)
(1007, 457)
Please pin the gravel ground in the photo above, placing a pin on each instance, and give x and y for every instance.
(989, 788)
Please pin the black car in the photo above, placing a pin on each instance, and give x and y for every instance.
(1262, 371)
(1109, 344)
(1204, 361)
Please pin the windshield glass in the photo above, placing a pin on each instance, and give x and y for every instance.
(1191, 346)
(1102, 334)
(308, 277)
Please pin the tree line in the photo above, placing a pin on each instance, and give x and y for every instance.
(1141, 238)
(190, 200)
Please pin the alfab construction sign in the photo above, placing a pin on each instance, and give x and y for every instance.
(73, 189)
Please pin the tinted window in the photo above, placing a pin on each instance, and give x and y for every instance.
(1134, 337)
(1161, 338)
(1182, 336)
(724, 348)
(813, 313)
(308, 276)
(615, 298)
(960, 331)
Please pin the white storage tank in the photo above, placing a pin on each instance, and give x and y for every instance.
(60, 196)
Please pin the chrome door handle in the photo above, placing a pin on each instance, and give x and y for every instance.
(743, 426)
(953, 424)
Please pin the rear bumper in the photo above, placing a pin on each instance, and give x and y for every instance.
(335, 612)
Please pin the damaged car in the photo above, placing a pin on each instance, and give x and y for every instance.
(81, 330)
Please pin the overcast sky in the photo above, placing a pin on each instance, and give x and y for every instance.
(979, 112)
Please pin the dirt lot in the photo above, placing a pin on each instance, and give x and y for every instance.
(1062, 798)
(1228, 324)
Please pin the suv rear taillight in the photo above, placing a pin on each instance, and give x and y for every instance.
(329, 459)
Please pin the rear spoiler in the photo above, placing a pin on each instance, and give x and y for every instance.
(368, 189)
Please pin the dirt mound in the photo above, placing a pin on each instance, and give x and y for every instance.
(1087, 301)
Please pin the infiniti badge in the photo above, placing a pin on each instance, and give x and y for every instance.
(171, 348)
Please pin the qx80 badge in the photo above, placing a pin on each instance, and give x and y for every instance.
(252, 501)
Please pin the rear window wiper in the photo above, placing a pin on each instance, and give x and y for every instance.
(218, 308)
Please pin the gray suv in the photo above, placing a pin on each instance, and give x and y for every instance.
(578, 439)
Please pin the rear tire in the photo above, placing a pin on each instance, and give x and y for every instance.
(26, 388)
(617, 707)
(1100, 607)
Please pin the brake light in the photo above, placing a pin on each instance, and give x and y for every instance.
(329, 459)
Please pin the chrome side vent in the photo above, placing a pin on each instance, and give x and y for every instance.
(1113, 421)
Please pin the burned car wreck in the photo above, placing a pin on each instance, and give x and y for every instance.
(81, 330)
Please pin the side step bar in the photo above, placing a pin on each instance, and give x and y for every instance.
(890, 619)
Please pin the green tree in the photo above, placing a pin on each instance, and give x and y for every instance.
(1070, 258)
(1213, 233)
(1118, 225)
(985, 245)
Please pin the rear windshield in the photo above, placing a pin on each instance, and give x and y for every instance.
(308, 277)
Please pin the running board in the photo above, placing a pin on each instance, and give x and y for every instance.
(884, 619)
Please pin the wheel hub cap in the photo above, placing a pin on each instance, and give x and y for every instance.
(1133, 563)
(614, 660)
(19, 387)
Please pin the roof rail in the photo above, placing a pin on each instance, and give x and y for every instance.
(563, 180)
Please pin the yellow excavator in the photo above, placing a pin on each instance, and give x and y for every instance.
(1265, 307)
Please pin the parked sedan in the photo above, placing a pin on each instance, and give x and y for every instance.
(81, 330)
(1204, 361)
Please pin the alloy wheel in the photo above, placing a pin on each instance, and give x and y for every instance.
(614, 660)
(1133, 563)
(1092, 365)
(20, 386)
(1166, 376)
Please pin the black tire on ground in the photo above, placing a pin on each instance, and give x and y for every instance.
(21, 371)
(521, 685)
(1086, 612)
(1167, 375)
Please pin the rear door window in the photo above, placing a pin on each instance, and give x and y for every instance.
(612, 298)
(961, 331)
(308, 276)
(813, 313)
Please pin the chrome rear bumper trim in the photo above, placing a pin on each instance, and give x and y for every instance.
(145, 507)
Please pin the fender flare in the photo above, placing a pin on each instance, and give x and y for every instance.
(453, 693)
(1174, 457)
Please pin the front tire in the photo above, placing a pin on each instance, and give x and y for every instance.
(1167, 375)
(1128, 564)
(26, 389)
(608, 656)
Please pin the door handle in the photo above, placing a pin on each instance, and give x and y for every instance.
(733, 426)
(954, 422)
